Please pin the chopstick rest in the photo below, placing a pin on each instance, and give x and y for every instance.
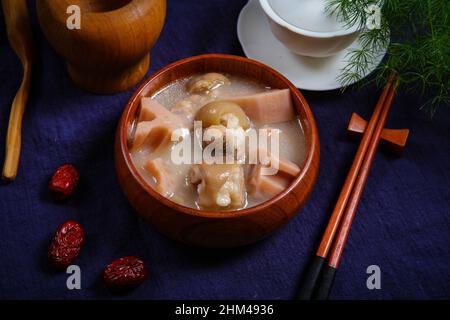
(394, 139)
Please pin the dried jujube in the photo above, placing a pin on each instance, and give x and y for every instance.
(64, 181)
(125, 273)
(66, 244)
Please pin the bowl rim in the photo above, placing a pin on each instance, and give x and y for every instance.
(270, 12)
(313, 146)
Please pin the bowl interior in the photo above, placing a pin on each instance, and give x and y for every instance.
(225, 64)
(307, 17)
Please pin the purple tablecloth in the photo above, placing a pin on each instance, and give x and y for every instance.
(402, 225)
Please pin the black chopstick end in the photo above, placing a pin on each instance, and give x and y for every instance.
(326, 283)
(311, 279)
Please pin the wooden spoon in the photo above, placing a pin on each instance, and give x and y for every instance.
(19, 34)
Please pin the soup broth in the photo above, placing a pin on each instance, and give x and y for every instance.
(216, 186)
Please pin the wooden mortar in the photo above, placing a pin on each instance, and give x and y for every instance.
(111, 51)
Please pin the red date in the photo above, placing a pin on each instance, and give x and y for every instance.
(66, 244)
(64, 181)
(125, 273)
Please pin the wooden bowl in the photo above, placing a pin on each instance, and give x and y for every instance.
(209, 228)
(111, 51)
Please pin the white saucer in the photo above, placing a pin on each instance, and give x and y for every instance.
(318, 74)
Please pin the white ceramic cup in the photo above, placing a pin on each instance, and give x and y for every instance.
(313, 33)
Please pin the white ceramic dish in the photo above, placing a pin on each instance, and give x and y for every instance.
(317, 74)
(310, 39)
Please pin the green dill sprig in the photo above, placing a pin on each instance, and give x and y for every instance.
(419, 51)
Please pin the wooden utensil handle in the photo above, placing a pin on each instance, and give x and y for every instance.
(20, 37)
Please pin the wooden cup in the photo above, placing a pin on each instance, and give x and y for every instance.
(111, 51)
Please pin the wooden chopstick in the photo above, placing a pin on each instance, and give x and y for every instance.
(323, 290)
(20, 37)
(315, 270)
